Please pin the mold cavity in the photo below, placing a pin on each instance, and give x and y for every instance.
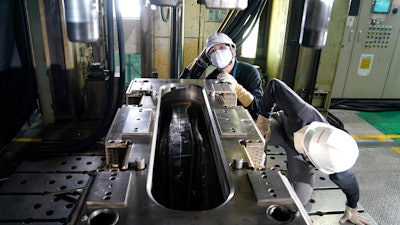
(103, 217)
(280, 213)
(187, 171)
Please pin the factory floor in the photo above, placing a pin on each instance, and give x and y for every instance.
(377, 168)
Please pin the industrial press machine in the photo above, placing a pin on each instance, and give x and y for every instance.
(178, 151)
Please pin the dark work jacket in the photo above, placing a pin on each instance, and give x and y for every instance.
(249, 77)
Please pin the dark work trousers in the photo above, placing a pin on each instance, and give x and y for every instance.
(291, 113)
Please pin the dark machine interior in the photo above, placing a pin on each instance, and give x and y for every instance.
(185, 165)
(18, 82)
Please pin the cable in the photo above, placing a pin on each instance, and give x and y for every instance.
(250, 16)
(366, 105)
(334, 121)
(363, 105)
(235, 24)
(121, 51)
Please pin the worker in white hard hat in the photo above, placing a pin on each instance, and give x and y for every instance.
(244, 78)
(310, 143)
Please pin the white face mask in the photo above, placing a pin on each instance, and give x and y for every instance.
(221, 58)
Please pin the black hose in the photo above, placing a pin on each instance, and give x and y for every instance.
(121, 51)
(366, 105)
(250, 16)
(363, 105)
(334, 121)
(235, 24)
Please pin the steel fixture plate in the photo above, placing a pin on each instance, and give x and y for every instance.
(110, 189)
(77, 163)
(43, 183)
(230, 122)
(34, 207)
(328, 201)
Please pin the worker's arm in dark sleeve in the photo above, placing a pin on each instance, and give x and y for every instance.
(285, 98)
(347, 182)
(254, 86)
(297, 111)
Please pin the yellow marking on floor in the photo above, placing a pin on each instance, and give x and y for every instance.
(396, 149)
(381, 137)
(28, 139)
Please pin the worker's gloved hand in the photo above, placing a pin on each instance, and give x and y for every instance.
(353, 216)
(245, 97)
(227, 78)
(263, 124)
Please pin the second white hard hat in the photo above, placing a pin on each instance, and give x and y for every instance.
(330, 149)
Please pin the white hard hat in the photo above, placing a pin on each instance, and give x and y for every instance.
(218, 38)
(330, 149)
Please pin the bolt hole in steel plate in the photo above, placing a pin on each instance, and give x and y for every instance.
(103, 217)
(280, 213)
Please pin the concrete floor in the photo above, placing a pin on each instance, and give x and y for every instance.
(377, 168)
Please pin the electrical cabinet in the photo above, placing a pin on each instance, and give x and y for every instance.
(369, 63)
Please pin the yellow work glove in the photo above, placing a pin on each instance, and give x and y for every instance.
(354, 216)
(263, 124)
(245, 97)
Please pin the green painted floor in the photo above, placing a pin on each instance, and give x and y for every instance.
(386, 122)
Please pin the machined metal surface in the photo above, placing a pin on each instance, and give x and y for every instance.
(35, 208)
(174, 161)
(44, 183)
(192, 128)
(139, 123)
(276, 159)
(229, 122)
(109, 189)
(255, 153)
(129, 122)
(224, 91)
(328, 207)
(65, 163)
(268, 186)
(328, 201)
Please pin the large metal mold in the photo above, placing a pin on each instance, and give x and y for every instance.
(188, 170)
(186, 178)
